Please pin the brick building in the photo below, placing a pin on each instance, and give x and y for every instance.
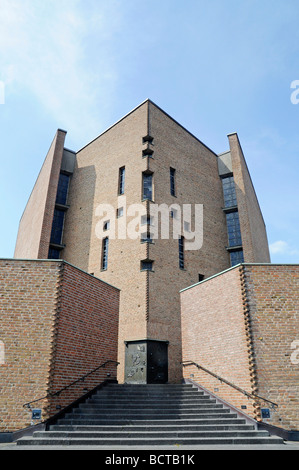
(58, 323)
(242, 325)
(146, 159)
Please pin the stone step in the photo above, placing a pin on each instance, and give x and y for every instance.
(148, 399)
(153, 427)
(262, 440)
(149, 386)
(73, 419)
(127, 392)
(218, 419)
(145, 434)
(146, 414)
(92, 407)
(151, 403)
(149, 415)
(173, 395)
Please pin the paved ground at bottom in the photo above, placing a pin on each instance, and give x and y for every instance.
(287, 446)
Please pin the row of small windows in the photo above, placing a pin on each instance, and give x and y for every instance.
(146, 265)
(147, 183)
(145, 219)
(230, 200)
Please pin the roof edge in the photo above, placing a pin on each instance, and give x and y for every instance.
(148, 100)
(113, 125)
(184, 128)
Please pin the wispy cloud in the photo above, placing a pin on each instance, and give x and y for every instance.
(281, 247)
(45, 53)
(278, 247)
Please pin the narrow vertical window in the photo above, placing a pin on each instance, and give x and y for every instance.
(106, 225)
(236, 257)
(182, 252)
(233, 229)
(63, 188)
(121, 181)
(53, 253)
(120, 212)
(105, 253)
(57, 227)
(147, 192)
(229, 191)
(172, 181)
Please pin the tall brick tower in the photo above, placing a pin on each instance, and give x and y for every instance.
(148, 160)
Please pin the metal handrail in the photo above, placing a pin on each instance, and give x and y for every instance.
(247, 394)
(81, 379)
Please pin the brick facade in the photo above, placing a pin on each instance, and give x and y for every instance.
(241, 325)
(150, 300)
(95, 182)
(57, 324)
(273, 305)
(214, 336)
(145, 140)
(197, 182)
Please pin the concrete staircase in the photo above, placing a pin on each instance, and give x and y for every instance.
(149, 415)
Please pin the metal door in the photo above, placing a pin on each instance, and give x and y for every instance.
(157, 370)
(146, 362)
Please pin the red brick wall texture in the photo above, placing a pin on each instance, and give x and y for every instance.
(242, 325)
(57, 324)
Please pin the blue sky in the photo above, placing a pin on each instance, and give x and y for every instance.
(216, 67)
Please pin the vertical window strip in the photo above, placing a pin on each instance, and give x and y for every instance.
(105, 247)
(63, 188)
(147, 186)
(53, 254)
(182, 252)
(233, 229)
(229, 191)
(120, 212)
(236, 257)
(57, 227)
(121, 184)
(172, 181)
